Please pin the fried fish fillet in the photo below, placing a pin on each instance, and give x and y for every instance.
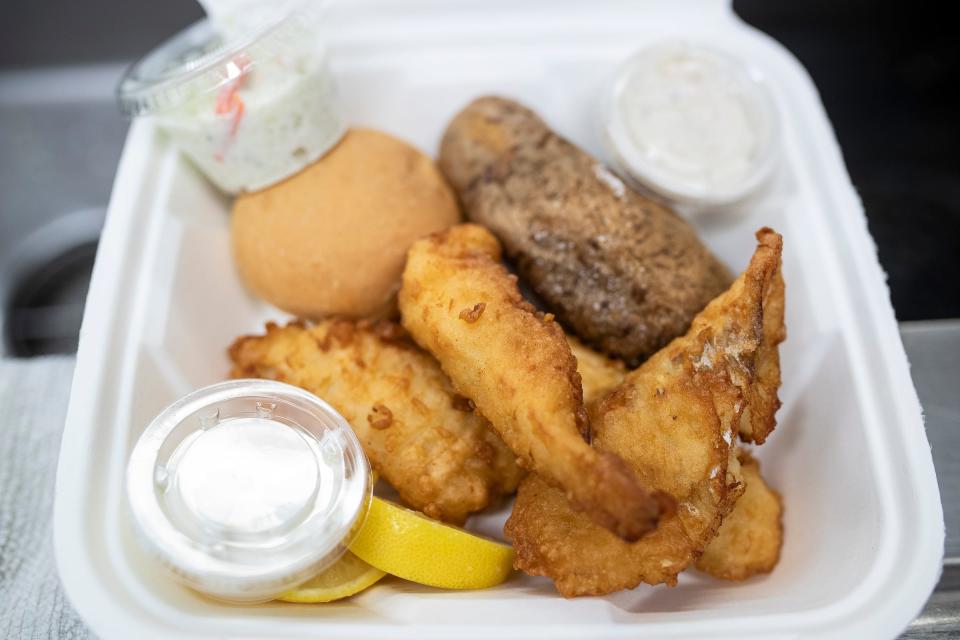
(674, 421)
(750, 537)
(419, 434)
(598, 373)
(458, 302)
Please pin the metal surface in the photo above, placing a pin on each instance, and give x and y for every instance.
(933, 348)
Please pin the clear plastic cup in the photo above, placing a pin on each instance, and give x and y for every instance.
(692, 124)
(249, 108)
(247, 488)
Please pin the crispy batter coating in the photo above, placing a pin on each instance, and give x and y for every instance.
(598, 373)
(419, 434)
(516, 365)
(759, 417)
(750, 537)
(674, 421)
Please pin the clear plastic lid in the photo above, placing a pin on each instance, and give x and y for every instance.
(247, 488)
(204, 57)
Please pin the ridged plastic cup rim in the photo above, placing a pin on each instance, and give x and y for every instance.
(196, 563)
(196, 61)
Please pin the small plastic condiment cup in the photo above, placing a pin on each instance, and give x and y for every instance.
(686, 122)
(247, 488)
(250, 108)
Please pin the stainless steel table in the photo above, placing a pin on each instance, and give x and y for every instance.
(934, 351)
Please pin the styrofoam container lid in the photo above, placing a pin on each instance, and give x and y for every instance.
(246, 488)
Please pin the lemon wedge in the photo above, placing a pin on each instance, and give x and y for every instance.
(414, 547)
(349, 575)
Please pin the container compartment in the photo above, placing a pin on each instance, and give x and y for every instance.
(863, 522)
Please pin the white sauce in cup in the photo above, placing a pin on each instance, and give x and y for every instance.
(692, 124)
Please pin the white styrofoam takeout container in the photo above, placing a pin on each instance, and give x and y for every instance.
(864, 527)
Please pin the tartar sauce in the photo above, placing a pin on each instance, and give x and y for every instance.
(692, 124)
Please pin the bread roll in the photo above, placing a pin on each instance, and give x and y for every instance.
(332, 239)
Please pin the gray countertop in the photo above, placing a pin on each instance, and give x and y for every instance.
(934, 351)
(33, 397)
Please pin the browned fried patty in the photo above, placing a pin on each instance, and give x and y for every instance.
(624, 273)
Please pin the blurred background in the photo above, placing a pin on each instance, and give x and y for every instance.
(887, 73)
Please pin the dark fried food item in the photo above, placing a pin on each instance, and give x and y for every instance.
(750, 537)
(674, 421)
(516, 365)
(625, 273)
(598, 373)
(419, 434)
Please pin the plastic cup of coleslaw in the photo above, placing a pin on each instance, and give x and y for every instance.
(248, 108)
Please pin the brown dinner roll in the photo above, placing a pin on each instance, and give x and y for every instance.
(332, 239)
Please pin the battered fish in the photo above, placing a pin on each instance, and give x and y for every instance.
(674, 421)
(625, 273)
(459, 303)
(598, 373)
(750, 537)
(419, 434)
(759, 416)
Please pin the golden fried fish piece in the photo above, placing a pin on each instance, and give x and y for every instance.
(458, 302)
(420, 435)
(674, 421)
(759, 417)
(750, 538)
(598, 373)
